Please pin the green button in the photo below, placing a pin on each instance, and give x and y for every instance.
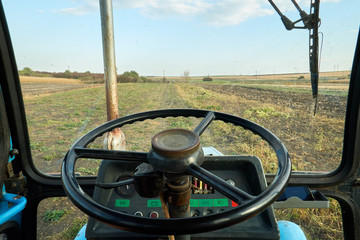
(154, 203)
(221, 202)
(206, 202)
(194, 203)
(122, 203)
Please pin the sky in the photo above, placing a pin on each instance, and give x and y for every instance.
(159, 37)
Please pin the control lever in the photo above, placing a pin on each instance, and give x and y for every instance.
(115, 184)
(148, 181)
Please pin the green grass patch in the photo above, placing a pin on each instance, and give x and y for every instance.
(54, 215)
(180, 122)
(87, 171)
(265, 112)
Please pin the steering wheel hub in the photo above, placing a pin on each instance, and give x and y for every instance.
(174, 150)
(175, 143)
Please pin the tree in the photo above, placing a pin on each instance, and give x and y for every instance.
(127, 76)
(186, 75)
(67, 74)
(144, 79)
(26, 71)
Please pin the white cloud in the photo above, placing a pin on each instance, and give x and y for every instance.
(175, 8)
(211, 12)
(232, 12)
(132, 3)
(79, 10)
(83, 7)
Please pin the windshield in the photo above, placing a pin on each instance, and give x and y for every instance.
(229, 56)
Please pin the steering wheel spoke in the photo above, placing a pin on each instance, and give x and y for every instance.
(204, 123)
(111, 154)
(115, 184)
(235, 194)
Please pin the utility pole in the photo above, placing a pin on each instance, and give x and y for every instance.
(115, 139)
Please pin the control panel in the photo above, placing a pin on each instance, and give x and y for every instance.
(244, 172)
(204, 201)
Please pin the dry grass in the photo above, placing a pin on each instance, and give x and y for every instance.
(29, 79)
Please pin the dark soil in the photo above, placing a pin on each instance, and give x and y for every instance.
(329, 105)
(308, 137)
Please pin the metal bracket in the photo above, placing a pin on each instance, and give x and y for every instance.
(16, 183)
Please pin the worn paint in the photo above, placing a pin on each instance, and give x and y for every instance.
(116, 138)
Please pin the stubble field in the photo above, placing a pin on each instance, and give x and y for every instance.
(57, 118)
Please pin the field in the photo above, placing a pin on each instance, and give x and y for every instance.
(40, 86)
(282, 103)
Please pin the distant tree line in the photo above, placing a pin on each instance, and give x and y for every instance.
(87, 77)
(131, 76)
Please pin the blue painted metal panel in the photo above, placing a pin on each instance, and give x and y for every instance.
(10, 208)
(290, 231)
(11, 205)
(81, 234)
(11, 148)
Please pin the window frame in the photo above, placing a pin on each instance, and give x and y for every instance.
(41, 186)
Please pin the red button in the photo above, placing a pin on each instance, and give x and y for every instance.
(154, 214)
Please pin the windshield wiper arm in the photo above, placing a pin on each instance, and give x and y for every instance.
(311, 22)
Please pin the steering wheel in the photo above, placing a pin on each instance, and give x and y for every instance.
(249, 205)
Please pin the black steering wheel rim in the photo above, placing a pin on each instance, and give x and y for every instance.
(176, 226)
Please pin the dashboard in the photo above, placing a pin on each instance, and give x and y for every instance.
(244, 172)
